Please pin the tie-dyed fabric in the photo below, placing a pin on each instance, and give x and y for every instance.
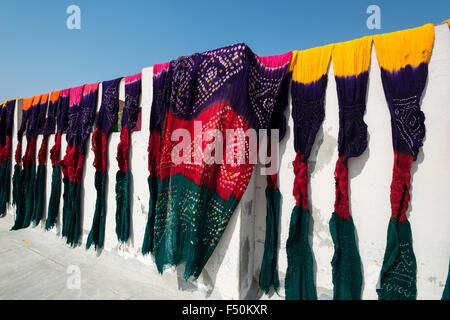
(129, 118)
(403, 58)
(191, 201)
(81, 115)
(107, 117)
(309, 81)
(57, 117)
(351, 62)
(6, 126)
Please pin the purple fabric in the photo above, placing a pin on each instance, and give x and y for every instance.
(10, 107)
(108, 114)
(72, 122)
(278, 120)
(131, 107)
(40, 119)
(161, 94)
(86, 117)
(2, 126)
(352, 139)
(308, 113)
(63, 112)
(403, 90)
(23, 123)
(50, 124)
(33, 121)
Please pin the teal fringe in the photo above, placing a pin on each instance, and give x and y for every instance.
(29, 181)
(55, 198)
(5, 185)
(268, 276)
(446, 293)
(97, 234)
(71, 212)
(123, 206)
(399, 271)
(299, 282)
(346, 263)
(18, 196)
(147, 246)
(39, 194)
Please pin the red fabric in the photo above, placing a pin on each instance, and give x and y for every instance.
(99, 148)
(72, 164)
(56, 150)
(301, 181)
(272, 181)
(341, 205)
(7, 149)
(2, 153)
(154, 153)
(122, 149)
(400, 186)
(30, 154)
(42, 155)
(18, 154)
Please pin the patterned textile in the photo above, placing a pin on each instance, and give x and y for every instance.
(129, 118)
(6, 125)
(107, 117)
(351, 62)
(191, 201)
(309, 81)
(403, 57)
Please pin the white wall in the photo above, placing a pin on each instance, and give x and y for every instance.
(234, 266)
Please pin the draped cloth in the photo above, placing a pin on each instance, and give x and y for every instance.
(57, 117)
(351, 62)
(309, 81)
(81, 115)
(129, 118)
(191, 200)
(403, 58)
(107, 117)
(6, 126)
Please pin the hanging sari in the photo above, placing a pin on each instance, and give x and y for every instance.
(403, 58)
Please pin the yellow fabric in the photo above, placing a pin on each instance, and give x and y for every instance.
(310, 65)
(398, 49)
(352, 57)
(447, 21)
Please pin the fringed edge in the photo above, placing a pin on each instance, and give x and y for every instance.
(18, 197)
(5, 185)
(147, 246)
(71, 212)
(39, 194)
(29, 180)
(55, 198)
(97, 233)
(123, 206)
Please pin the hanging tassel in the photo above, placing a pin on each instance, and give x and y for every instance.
(5, 170)
(97, 234)
(71, 222)
(29, 179)
(268, 276)
(446, 293)
(123, 206)
(398, 274)
(346, 262)
(299, 282)
(147, 246)
(55, 198)
(39, 194)
(18, 197)
(66, 205)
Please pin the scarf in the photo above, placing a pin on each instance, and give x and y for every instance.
(191, 201)
(403, 58)
(351, 62)
(6, 124)
(107, 117)
(129, 118)
(61, 109)
(82, 106)
(309, 81)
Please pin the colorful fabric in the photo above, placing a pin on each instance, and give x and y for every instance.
(351, 62)
(129, 118)
(6, 125)
(309, 81)
(403, 58)
(60, 109)
(191, 202)
(107, 117)
(81, 114)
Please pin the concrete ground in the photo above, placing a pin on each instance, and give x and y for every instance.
(35, 264)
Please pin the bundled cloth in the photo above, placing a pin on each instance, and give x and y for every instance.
(351, 62)
(403, 58)
(194, 187)
(129, 119)
(6, 125)
(107, 117)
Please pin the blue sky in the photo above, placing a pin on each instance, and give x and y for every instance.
(39, 54)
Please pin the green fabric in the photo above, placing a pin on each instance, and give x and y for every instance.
(71, 212)
(446, 293)
(399, 270)
(346, 263)
(268, 276)
(122, 206)
(18, 196)
(39, 194)
(30, 181)
(147, 246)
(299, 282)
(97, 233)
(55, 198)
(5, 185)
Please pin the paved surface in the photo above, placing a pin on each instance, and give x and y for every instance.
(35, 264)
